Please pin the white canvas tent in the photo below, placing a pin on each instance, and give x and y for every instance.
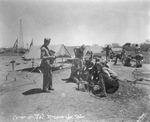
(63, 53)
(35, 52)
(117, 50)
(96, 49)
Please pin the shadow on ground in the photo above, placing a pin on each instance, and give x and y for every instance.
(38, 69)
(33, 91)
(33, 69)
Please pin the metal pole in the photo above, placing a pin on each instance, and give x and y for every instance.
(13, 65)
(62, 62)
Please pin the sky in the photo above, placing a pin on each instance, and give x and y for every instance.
(74, 22)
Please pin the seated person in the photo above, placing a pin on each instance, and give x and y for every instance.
(137, 49)
(107, 79)
(89, 55)
(79, 52)
(139, 59)
(94, 71)
(76, 69)
(128, 61)
(112, 55)
(80, 75)
(118, 56)
(88, 60)
(87, 73)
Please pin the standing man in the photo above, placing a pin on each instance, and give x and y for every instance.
(123, 53)
(46, 65)
(121, 56)
(108, 49)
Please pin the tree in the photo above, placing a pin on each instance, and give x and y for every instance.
(147, 41)
(145, 47)
(127, 46)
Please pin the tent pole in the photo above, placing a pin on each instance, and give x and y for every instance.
(32, 62)
(62, 62)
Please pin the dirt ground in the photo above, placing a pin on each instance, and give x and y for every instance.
(21, 98)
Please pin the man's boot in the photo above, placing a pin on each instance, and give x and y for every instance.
(103, 89)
